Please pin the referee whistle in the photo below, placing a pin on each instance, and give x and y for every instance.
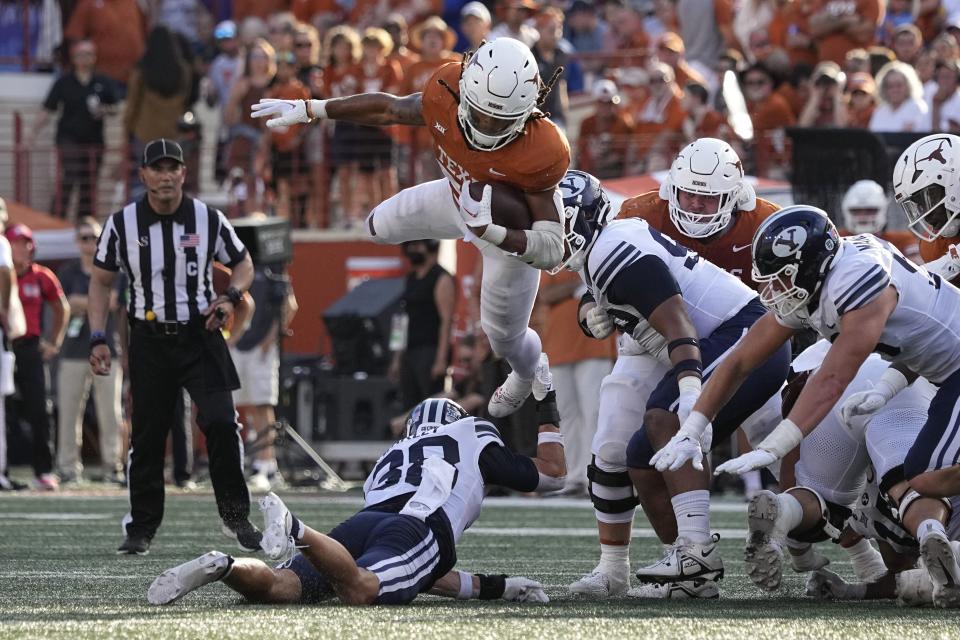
(150, 316)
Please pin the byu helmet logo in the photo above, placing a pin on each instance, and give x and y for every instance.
(572, 185)
(789, 241)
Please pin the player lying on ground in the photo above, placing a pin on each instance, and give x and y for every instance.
(848, 477)
(647, 286)
(484, 120)
(862, 295)
(423, 493)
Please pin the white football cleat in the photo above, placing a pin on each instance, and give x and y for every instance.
(600, 584)
(914, 588)
(763, 554)
(685, 560)
(509, 396)
(277, 543)
(704, 589)
(173, 584)
(941, 564)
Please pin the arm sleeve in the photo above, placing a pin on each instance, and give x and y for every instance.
(644, 285)
(501, 466)
(229, 250)
(107, 247)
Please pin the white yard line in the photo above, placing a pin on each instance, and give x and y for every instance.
(578, 532)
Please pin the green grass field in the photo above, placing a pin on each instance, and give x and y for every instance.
(59, 577)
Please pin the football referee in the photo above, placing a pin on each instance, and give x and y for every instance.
(166, 244)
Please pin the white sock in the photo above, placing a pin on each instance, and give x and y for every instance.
(751, 481)
(929, 526)
(692, 509)
(867, 562)
(790, 517)
(614, 559)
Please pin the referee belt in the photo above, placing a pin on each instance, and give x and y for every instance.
(165, 329)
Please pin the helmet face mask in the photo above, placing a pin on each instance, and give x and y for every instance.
(499, 88)
(586, 210)
(780, 292)
(927, 185)
(706, 167)
(432, 414)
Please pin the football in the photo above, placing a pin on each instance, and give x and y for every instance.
(508, 204)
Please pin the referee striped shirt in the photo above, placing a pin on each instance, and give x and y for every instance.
(168, 258)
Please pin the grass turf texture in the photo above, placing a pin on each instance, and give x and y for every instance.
(60, 577)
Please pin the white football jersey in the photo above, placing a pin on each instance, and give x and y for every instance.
(923, 332)
(399, 470)
(711, 295)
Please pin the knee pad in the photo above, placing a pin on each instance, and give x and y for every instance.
(833, 518)
(611, 492)
(639, 450)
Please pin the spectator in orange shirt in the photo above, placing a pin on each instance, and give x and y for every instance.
(435, 41)
(261, 9)
(118, 30)
(579, 364)
(770, 113)
(796, 90)
(514, 16)
(396, 26)
(702, 121)
(342, 48)
(377, 177)
(658, 122)
(825, 107)
(475, 22)
(907, 43)
(280, 27)
(790, 31)
(837, 26)
(862, 100)
(670, 51)
(288, 164)
(603, 137)
(630, 41)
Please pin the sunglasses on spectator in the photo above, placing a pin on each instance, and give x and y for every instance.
(656, 80)
(303, 45)
(87, 238)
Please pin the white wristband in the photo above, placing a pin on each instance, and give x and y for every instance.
(545, 437)
(695, 424)
(783, 439)
(319, 109)
(891, 383)
(494, 234)
(689, 384)
(466, 586)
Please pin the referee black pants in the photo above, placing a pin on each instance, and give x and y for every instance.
(198, 361)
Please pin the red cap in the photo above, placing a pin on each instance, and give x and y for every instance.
(19, 232)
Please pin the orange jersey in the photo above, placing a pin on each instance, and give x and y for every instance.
(731, 251)
(905, 241)
(930, 251)
(534, 161)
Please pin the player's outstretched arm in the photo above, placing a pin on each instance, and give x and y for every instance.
(375, 109)
(465, 586)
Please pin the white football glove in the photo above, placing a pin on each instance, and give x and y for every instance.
(689, 393)
(825, 584)
(948, 265)
(288, 112)
(599, 322)
(860, 407)
(476, 213)
(520, 589)
(687, 444)
(542, 378)
(756, 459)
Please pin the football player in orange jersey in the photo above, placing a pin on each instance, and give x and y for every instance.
(927, 185)
(864, 208)
(486, 127)
(707, 206)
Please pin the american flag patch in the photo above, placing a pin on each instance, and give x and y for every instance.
(189, 240)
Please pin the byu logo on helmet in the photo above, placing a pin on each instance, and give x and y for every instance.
(789, 241)
(586, 210)
(572, 185)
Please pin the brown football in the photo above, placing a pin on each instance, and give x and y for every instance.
(508, 204)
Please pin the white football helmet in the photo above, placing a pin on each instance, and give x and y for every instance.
(498, 91)
(926, 184)
(864, 196)
(707, 167)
